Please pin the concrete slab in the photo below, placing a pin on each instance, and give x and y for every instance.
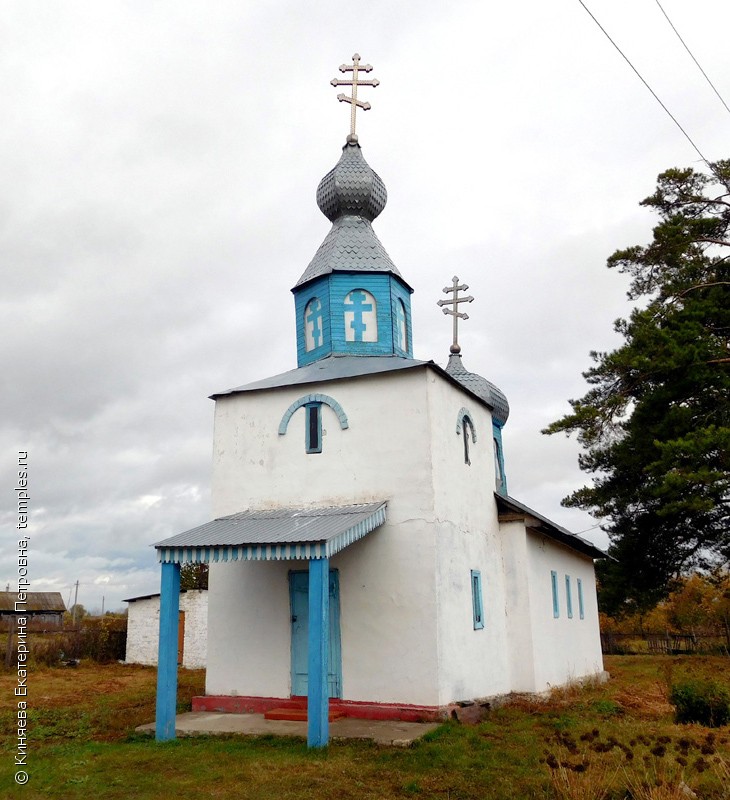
(201, 723)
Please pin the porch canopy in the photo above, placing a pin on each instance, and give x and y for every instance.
(275, 535)
(312, 534)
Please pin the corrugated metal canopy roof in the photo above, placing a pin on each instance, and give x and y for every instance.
(276, 534)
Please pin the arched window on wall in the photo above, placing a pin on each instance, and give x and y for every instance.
(312, 405)
(468, 431)
(361, 317)
(313, 333)
(401, 326)
(465, 428)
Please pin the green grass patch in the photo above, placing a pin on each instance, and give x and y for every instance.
(611, 741)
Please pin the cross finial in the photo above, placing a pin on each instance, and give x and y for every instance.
(355, 68)
(456, 287)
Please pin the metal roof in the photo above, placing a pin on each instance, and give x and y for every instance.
(494, 397)
(508, 505)
(350, 195)
(157, 594)
(276, 534)
(331, 368)
(350, 246)
(36, 603)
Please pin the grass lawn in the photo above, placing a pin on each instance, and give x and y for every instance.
(613, 741)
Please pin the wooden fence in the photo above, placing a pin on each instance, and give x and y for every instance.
(662, 643)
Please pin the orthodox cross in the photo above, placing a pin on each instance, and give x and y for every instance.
(358, 305)
(315, 317)
(355, 69)
(455, 313)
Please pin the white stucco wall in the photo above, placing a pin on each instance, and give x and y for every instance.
(387, 599)
(472, 663)
(405, 589)
(386, 618)
(565, 649)
(520, 647)
(143, 629)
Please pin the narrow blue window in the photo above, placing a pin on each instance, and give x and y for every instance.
(568, 597)
(314, 427)
(581, 609)
(556, 605)
(476, 599)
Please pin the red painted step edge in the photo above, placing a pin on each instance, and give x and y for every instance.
(234, 704)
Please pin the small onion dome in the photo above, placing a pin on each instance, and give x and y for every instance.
(481, 387)
(351, 187)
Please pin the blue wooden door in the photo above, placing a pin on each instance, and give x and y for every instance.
(299, 594)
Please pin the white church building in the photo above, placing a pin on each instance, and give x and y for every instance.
(365, 555)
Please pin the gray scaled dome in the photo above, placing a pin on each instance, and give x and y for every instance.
(351, 187)
(350, 195)
(481, 387)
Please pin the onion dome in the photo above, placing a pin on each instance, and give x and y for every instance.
(351, 187)
(351, 195)
(481, 387)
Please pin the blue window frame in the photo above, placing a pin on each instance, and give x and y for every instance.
(581, 608)
(568, 597)
(476, 599)
(556, 602)
(313, 426)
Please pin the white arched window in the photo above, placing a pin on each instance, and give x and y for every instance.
(361, 317)
(313, 335)
(401, 326)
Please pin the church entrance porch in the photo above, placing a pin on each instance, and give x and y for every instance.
(312, 535)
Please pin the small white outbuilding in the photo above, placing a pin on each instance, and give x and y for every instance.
(143, 629)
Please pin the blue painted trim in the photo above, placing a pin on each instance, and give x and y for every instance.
(568, 597)
(331, 290)
(275, 552)
(556, 601)
(501, 477)
(167, 652)
(307, 399)
(581, 607)
(398, 292)
(316, 410)
(302, 297)
(317, 667)
(476, 599)
(465, 413)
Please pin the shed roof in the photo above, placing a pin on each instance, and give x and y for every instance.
(35, 603)
(275, 534)
(509, 507)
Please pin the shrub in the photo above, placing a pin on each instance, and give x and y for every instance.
(703, 701)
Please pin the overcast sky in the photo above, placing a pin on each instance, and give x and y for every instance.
(160, 160)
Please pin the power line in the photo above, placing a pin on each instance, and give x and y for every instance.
(714, 89)
(656, 97)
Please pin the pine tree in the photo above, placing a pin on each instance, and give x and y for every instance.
(655, 426)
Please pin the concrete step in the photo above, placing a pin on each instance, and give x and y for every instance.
(298, 714)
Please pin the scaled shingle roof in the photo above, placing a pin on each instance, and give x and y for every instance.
(351, 195)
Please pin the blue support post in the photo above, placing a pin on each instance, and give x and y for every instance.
(167, 652)
(317, 690)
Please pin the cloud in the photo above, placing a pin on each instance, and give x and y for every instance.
(157, 204)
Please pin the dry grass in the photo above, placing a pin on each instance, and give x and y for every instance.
(616, 741)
